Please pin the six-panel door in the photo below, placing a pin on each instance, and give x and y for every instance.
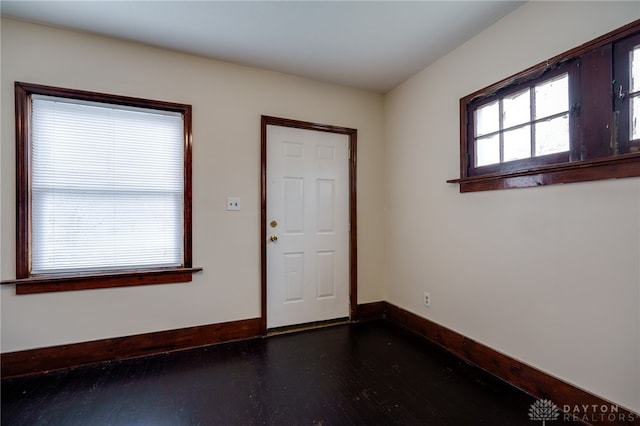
(307, 226)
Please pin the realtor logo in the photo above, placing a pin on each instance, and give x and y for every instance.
(543, 410)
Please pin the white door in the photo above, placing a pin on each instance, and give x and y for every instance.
(307, 226)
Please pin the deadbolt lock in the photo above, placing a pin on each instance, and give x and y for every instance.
(273, 224)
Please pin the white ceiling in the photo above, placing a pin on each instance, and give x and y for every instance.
(372, 45)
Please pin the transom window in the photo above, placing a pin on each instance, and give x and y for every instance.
(529, 123)
(573, 118)
(635, 93)
(626, 95)
(103, 190)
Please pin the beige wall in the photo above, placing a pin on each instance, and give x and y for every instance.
(227, 103)
(548, 275)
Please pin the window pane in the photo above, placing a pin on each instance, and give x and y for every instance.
(82, 146)
(635, 118)
(80, 230)
(517, 144)
(552, 136)
(635, 69)
(552, 97)
(488, 150)
(516, 109)
(487, 119)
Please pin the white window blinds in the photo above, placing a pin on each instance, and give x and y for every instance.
(107, 185)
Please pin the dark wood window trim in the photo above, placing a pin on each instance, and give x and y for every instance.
(28, 284)
(591, 157)
(616, 167)
(47, 284)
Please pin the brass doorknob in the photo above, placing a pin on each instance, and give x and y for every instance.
(273, 238)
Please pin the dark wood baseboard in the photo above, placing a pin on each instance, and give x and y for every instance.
(540, 385)
(529, 379)
(37, 361)
(42, 360)
(370, 311)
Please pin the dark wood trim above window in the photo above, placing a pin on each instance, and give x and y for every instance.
(596, 150)
(25, 281)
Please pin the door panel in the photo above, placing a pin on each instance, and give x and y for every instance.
(307, 253)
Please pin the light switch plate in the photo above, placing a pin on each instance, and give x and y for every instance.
(233, 203)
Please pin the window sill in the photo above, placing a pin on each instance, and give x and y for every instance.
(615, 167)
(52, 283)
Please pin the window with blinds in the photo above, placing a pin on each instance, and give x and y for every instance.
(106, 186)
(103, 190)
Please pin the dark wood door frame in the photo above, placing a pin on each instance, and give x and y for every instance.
(353, 233)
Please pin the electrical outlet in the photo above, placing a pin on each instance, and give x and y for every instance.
(427, 299)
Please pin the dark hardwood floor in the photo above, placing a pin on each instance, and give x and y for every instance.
(371, 373)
